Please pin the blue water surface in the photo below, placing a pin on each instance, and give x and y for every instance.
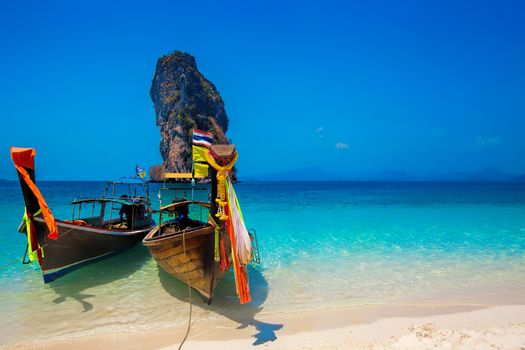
(322, 245)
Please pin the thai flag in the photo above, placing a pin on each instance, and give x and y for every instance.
(202, 138)
(141, 172)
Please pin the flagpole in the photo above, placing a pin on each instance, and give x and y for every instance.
(192, 170)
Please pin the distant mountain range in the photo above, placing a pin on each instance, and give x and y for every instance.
(393, 175)
(302, 174)
(491, 174)
(318, 174)
(518, 178)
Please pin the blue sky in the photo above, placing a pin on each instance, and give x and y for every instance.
(354, 88)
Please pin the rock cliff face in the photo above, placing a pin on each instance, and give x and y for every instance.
(184, 99)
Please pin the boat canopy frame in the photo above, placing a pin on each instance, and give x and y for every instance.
(127, 201)
(171, 208)
(131, 182)
(132, 198)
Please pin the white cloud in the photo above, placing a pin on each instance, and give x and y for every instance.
(319, 134)
(341, 145)
(483, 142)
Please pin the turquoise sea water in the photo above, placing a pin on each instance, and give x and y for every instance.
(322, 245)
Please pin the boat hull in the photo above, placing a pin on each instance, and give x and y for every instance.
(79, 245)
(189, 257)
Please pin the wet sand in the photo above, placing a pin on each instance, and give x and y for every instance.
(366, 327)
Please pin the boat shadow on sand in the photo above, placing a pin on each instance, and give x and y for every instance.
(106, 271)
(225, 302)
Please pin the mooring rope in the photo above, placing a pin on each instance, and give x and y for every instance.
(42, 247)
(9, 264)
(189, 290)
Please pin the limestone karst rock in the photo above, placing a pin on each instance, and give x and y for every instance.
(184, 99)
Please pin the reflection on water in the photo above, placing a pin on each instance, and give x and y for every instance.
(225, 301)
(103, 272)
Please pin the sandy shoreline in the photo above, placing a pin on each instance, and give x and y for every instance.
(363, 327)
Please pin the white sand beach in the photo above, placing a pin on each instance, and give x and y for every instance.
(368, 327)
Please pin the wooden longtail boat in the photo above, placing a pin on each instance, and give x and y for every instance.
(85, 238)
(185, 248)
(196, 252)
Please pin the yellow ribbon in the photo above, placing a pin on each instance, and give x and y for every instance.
(33, 255)
(222, 174)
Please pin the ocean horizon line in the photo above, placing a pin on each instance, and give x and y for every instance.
(301, 181)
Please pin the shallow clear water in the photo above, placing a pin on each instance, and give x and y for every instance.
(322, 245)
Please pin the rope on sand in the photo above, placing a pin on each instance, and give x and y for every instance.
(189, 290)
